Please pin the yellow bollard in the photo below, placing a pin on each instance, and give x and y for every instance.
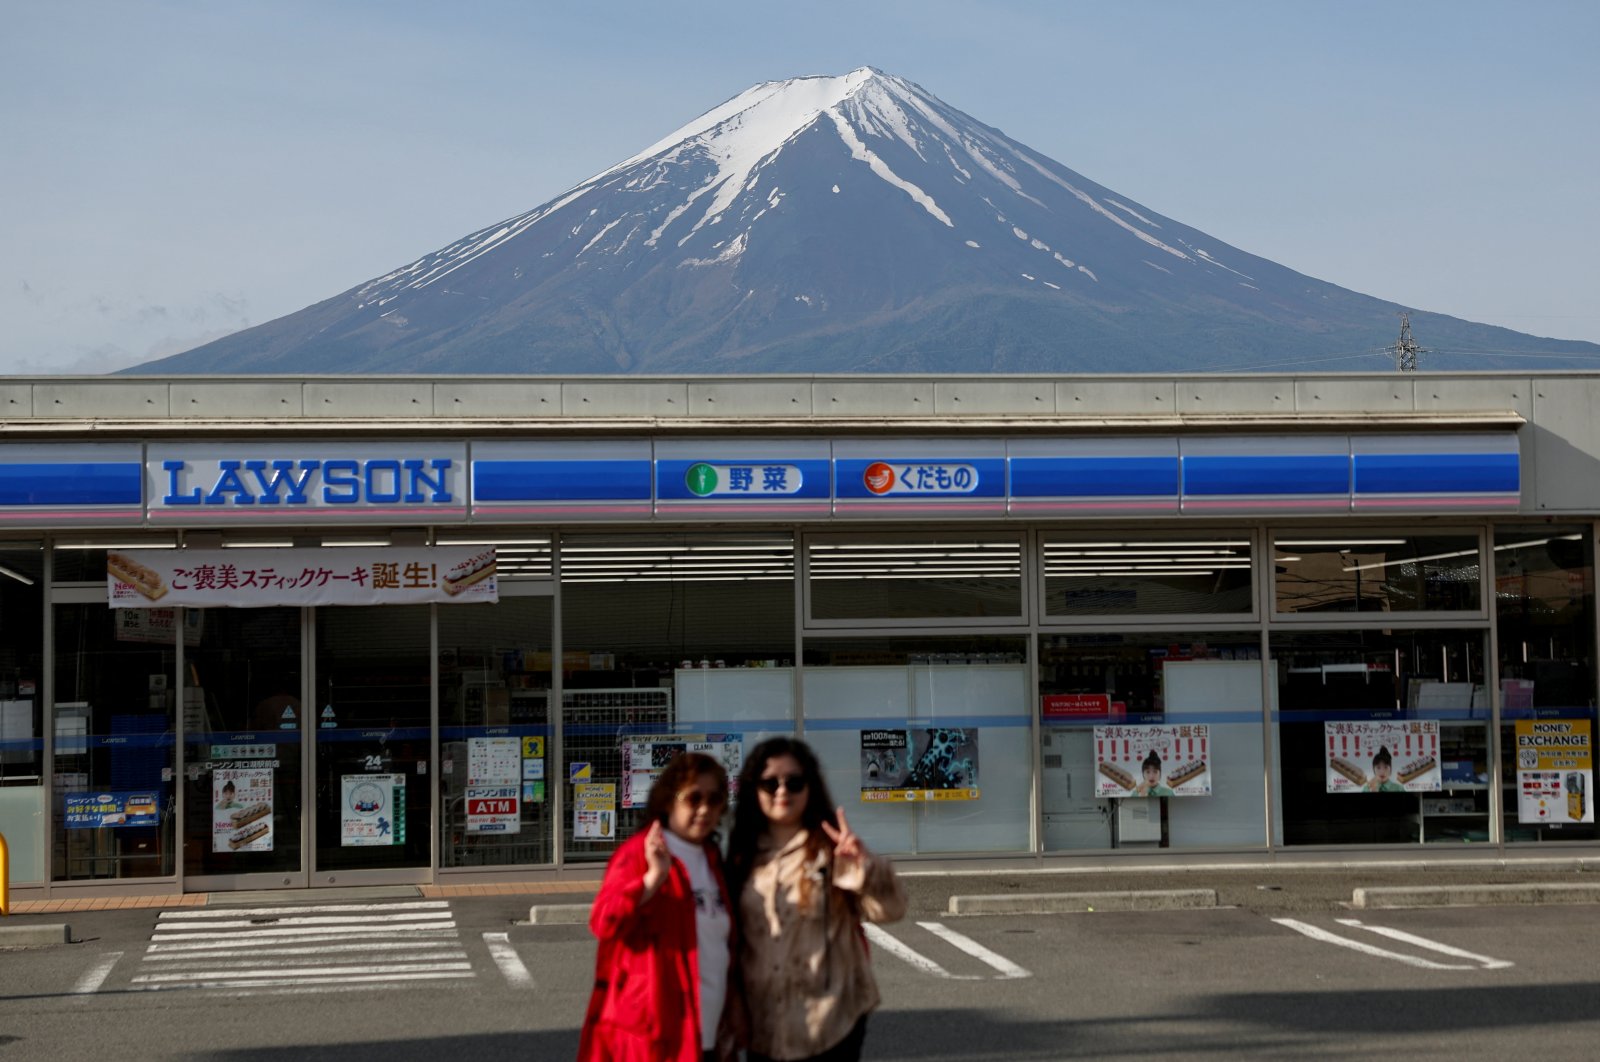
(5, 877)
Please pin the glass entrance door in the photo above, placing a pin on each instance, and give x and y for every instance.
(371, 717)
(244, 819)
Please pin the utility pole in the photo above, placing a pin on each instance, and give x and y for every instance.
(1405, 350)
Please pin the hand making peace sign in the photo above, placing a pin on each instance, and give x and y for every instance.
(848, 851)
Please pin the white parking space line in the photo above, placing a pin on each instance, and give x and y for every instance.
(1366, 949)
(1007, 968)
(1432, 945)
(881, 938)
(506, 957)
(96, 976)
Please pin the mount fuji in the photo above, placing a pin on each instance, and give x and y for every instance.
(840, 224)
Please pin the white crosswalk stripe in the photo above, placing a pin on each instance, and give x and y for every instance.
(883, 939)
(289, 949)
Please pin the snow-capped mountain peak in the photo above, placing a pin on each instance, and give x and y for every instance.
(831, 223)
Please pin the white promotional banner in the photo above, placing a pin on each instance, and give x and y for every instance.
(1159, 761)
(1382, 757)
(260, 578)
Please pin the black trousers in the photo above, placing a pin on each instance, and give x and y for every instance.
(846, 1050)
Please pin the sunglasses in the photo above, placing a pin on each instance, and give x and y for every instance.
(696, 797)
(792, 784)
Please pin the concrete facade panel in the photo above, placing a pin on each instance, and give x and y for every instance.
(16, 400)
(625, 398)
(888, 398)
(349, 398)
(1226, 396)
(1443, 394)
(496, 398)
(1564, 440)
(1099, 398)
(750, 398)
(242, 400)
(1355, 394)
(1001, 398)
(100, 399)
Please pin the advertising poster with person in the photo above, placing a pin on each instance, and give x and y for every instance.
(1555, 771)
(919, 764)
(1147, 761)
(241, 809)
(1382, 757)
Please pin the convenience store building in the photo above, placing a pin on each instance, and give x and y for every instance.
(984, 600)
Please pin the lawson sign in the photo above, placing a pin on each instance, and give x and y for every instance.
(257, 481)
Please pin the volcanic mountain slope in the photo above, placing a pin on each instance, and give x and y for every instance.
(837, 224)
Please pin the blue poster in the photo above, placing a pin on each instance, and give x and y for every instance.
(123, 807)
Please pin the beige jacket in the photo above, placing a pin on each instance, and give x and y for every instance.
(807, 974)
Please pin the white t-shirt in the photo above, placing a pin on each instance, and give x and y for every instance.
(713, 925)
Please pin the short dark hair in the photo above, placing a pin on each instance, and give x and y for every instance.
(684, 770)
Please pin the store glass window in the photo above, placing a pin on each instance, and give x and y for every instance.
(971, 577)
(114, 721)
(1151, 740)
(495, 736)
(22, 793)
(243, 722)
(373, 738)
(1377, 572)
(666, 639)
(1384, 737)
(927, 742)
(1147, 577)
(1544, 600)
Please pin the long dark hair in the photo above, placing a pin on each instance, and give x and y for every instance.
(750, 823)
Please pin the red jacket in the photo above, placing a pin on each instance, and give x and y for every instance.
(646, 1001)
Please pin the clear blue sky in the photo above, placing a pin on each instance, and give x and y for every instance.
(170, 172)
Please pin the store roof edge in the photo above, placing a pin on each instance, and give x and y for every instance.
(1477, 420)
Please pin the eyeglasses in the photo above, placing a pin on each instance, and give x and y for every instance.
(696, 797)
(792, 784)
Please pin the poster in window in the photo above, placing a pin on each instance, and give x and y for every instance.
(644, 758)
(372, 810)
(918, 764)
(1555, 771)
(1387, 756)
(241, 809)
(1147, 761)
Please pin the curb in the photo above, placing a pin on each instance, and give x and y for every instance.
(559, 914)
(35, 936)
(1074, 902)
(1475, 895)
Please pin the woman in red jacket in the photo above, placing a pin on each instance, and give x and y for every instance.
(666, 934)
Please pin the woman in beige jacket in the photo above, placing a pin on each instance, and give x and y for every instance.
(802, 883)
